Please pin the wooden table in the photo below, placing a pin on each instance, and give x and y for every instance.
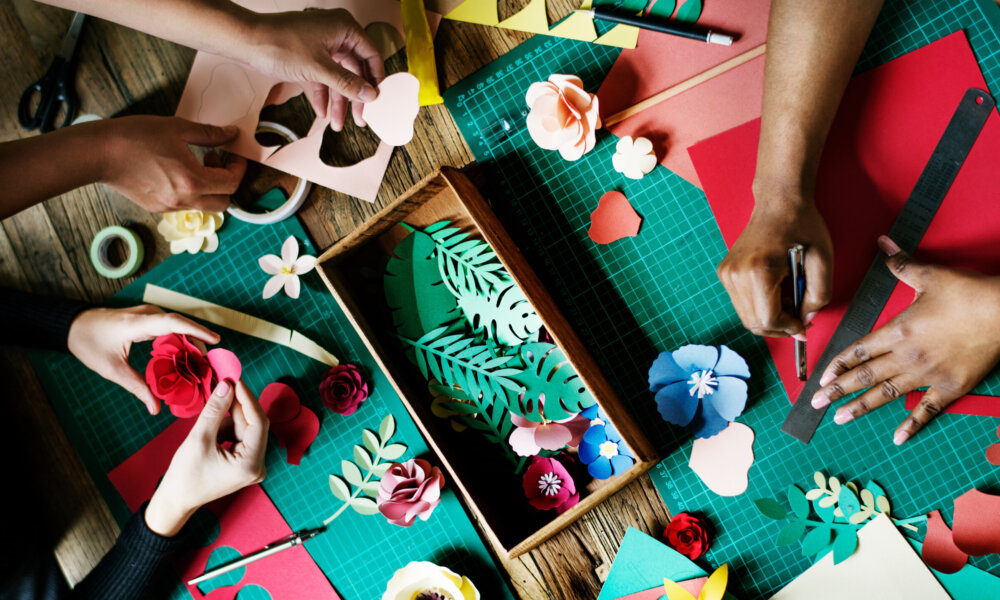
(45, 250)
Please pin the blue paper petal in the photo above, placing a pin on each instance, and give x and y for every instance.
(675, 404)
(612, 433)
(588, 453)
(729, 399)
(693, 357)
(731, 364)
(707, 422)
(593, 411)
(664, 371)
(621, 463)
(595, 435)
(600, 469)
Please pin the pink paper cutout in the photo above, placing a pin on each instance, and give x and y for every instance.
(976, 524)
(391, 115)
(280, 402)
(613, 219)
(723, 461)
(225, 364)
(692, 586)
(939, 550)
(294, 425)
(993, 452)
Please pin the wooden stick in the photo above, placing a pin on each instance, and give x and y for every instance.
(685, 85)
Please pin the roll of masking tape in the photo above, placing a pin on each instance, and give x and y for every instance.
(102, 244)
(295, 201)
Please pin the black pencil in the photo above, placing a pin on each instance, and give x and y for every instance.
(661, 25)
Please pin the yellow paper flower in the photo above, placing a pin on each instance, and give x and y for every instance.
(425, 580)
(191, 230)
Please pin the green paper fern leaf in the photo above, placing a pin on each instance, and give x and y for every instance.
(466, 265)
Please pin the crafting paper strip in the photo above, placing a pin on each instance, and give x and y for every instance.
(888, 125)
(237, 321)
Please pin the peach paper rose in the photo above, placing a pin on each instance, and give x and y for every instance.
(563, 116)
(409, 490)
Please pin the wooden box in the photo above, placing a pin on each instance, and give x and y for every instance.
(499, 505)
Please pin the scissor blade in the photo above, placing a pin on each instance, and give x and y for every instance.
(72, 36)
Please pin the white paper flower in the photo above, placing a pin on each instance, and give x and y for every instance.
(425, 580)
(191, 230)
(634, 158)
(285, 269)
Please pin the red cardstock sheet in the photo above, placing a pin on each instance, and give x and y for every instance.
(661, 61)
(889, 123)
(248, 521)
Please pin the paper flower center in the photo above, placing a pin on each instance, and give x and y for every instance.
(432, 595)
(703, 383)
(597, 421)
(609, 449)
(549, 484)
(286, 270)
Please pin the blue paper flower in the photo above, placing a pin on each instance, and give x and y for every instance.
(602, 448)
(700, 388)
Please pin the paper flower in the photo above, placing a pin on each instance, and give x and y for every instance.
(285, 269)
(183, 378)
(700, 388)
(602, 448)
(343, 389)
(409, 490)
(191, 230)
(688, 534)
(428, 581)
(529, 437)
(549, 486)
(634, 158)
(563, 116)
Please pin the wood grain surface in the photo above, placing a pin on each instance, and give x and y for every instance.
(45, 250)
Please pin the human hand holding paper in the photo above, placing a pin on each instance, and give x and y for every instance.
(102, 337)
(946, 339)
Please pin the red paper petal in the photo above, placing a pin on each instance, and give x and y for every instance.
(225, 364)
(993, 454)
(297, 435)
(614, 219)
(939, 551)
(280, 403)
(976, 526)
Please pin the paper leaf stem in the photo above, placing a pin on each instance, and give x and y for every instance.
(548, 376)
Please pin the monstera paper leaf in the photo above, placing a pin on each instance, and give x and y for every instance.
(416, 295)
(504, 316)
(548, 378)
(466, 265)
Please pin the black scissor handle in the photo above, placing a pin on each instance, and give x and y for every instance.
(55, 91)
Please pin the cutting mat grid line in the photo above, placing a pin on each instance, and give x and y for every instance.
(657, 291)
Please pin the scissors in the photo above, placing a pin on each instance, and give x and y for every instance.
(55, 88)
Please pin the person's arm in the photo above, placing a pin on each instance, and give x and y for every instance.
(34, 321)
(812, 46)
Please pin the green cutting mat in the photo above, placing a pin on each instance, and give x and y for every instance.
(639, 296)
(358, 554)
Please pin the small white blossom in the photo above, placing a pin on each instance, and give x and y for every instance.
(286, 269)
(634, 158)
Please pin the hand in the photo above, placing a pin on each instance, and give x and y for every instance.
(202, 470)
(102, 337)
(947, 339)
(757, 264)
(148, 161)
(328, 50)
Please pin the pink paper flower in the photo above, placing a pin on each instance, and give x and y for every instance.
(548, 485)
(563, 116)
(530, 438)
(343, 389)
(179, 374)
(409, 490)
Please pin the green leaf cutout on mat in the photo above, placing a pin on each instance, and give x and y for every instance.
(504, 316)
(771, 509)
(791, 532)
(221, 556)
(816, 540)
(844, 545)
(797, 500)
(548, 375)
(689, 11)
(466, 265)
(663, 8)
(416, 294)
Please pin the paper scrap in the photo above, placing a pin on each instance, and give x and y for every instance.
(218, 557)
(634, 158)
(976, 524)
(939, 550)
(884, 566)
(613, 219)
(294, 426)
(723, 461)
(420, 51)
(392, 114)
(640, 566)
(714, 587)
(970, 404)
(993, 452)
(237, 321)
(969, 583)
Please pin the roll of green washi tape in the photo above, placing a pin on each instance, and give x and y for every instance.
(102, 243)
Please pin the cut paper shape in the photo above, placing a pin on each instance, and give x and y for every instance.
(414, 290)
(714, 587)
(253, 592)
(875, 153)
(465, 263)
(548, 381)
(294, 426)
(613, 219)
(359, 486)
(976, 524)
(237, 321)
(884, 566)
(689, 11)
(191, 231)
(504, 316)
(563, 116)
(604, 451)
(225, 364)
(420, 51)
(634, 158)
(392, 114)
(969, 583)
(408, 491)
(280, 402)
(419, 580)
(227, 97)
(971, 404)
(285, 269)
(221, 556)
(723, 461)
(939, 550)
(641, 565)
(993, 452)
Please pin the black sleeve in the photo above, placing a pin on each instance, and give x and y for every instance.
(36, 321)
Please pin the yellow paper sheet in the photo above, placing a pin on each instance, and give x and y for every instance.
(420, 51)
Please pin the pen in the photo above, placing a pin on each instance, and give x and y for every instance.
(273, 548)
(796, 256)
(660, 25)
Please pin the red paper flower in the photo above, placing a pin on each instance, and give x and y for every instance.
(179, 374)
(343, 389)
(688, 534)
(409, 490)
(549, 486)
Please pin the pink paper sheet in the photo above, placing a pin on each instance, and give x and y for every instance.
(661, 61)
(888, 125)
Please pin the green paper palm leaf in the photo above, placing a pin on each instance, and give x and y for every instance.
(504, 316)
(550, 380)
(416, 294)
(466, 265)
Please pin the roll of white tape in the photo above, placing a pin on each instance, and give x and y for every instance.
(295, 201)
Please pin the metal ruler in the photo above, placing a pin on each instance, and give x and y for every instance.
(907, 231)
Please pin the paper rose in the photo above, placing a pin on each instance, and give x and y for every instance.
(688, 534)
(409, 490)
(563, 116)
(602, 448)
(530, 438)
(427, 581)
(634, 158)
(549, 486)
(183, 378)
(191, 230)
(343, 389)
(700, 388)
(285, 269)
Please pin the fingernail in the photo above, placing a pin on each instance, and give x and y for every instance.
(151, 408)
(900, 437)
(368, 93)
(843, 416)
(826, 379)
(888, 246)
(809, 318)
(222, 389)
(820, 400)
(800, 337)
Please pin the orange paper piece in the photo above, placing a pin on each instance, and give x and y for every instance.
(614, 219)
(723, 461)
(993, 452)
(392, 114)
(976, 526)
(939, 550)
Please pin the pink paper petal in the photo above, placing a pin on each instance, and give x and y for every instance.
(614, 219)
(297, 435)
(392, 114)
(280, 403)
(225, 364)
(522, 441)
(939, 550)
(552, 436)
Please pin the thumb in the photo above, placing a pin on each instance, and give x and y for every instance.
(819, 282)
(907, 269)
(201, 134)
(128, 378)
(345, 83)
(215, 411)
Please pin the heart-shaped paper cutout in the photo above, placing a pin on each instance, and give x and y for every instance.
(225, 364)
(392, 114)
(280, 403)
(614, 219)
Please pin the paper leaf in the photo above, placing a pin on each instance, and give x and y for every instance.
(689, 11)
(814, 494)
(858, 518)
(844, 545)
(882, 504)
(715, 587)
(414, 289)
(380, 469)
(791, 532)
(339, 488)
(364, 506)
(467, 265)
(848, 502)
(351, 473)
(505, 315)
(674, 591)
(820, 479)
(797, 500)
(816, 540)
(362, 458)
(371, 488)
(834, 485)
(663, 8)
(548, 375)
(462, 408)
(393, 451)
(474, 423)
(370, 440)
(387, 428)
(868, 499)
(827, 512)
(771, 509)
(828, 501)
